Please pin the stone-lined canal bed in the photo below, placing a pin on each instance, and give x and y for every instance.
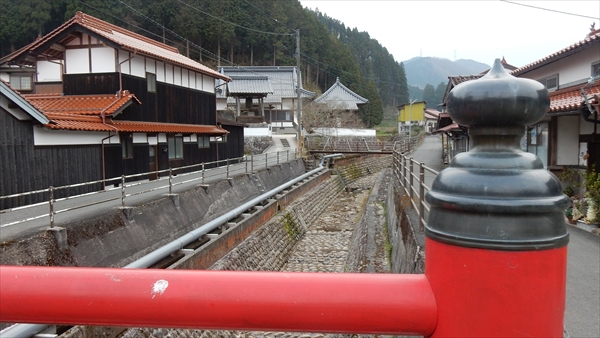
(335, 228)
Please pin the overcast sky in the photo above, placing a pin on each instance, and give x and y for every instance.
(477, 30)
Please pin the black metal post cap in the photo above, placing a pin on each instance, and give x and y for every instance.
(496, 196)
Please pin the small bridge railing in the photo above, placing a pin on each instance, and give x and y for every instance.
(360, 144)
(411, 174)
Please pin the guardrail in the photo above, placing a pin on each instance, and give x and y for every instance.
(139, 185)
(410, 174)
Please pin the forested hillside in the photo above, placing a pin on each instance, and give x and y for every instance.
(235, 32)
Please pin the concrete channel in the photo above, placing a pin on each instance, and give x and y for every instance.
(262, 238)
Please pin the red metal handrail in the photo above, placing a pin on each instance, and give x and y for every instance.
(266, 301)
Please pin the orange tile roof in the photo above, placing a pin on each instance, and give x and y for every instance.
(569, 99)
(592, 37)
(108, 104)
(94, 123)
(122, 37)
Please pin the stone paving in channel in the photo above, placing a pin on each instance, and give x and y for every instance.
(327, 242)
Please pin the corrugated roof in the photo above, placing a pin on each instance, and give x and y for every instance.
(281, 78)
(431, 113)
(249, 84)
(592, 37)
(342, 97)
(123, 38)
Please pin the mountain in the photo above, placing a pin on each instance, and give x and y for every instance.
(423, 70)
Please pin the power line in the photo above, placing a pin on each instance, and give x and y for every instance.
(551, 10)
(231, 23)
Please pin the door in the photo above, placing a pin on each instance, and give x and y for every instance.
(153, 165)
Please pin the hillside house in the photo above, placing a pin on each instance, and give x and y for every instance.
(570, 129)
(410, 114)
(261, 94)
(91, 101)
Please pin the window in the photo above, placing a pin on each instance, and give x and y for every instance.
(151, 79)
(203, 142)
(21, 82)
(218, 139)
(175, 145)
(551, 82)
(126, 145)
(596, 69)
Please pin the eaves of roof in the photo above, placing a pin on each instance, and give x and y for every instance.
(339, 92)
(106, 104)
(18, 99)
(570, 99)
(116, 37)
(94, 123)
(593, 37)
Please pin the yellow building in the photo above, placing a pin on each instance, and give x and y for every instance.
(412, 112)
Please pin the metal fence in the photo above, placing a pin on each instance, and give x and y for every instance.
(138, 184)
(410, 174)
(360, 144)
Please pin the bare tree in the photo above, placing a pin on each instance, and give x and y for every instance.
(329, 115)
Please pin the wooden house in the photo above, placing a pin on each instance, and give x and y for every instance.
(262, 94)
(568, 135)
(91, 101)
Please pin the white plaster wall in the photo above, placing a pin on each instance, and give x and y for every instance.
(139, 138)
(192, 79)
(5, 77)
(567, 139)
(208, 84)
(177, 76)
(150, 65)
(138, 66)
(288, 104)
(169, 73)
(185, 78)
(257, 132)
(573, 68)
(48, 137)
(77, 61)
(199, 81)
(17, 113)
(103, 60)
(160, 71)
(48, 71)
(75, 42)
(221, 104)
(125, 67)
(345, 132)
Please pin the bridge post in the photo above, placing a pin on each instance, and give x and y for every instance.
(496, 237)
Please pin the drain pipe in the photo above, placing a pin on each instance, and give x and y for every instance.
(29, 330)
(164, 251)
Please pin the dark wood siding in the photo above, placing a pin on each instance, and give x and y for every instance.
(26, 168)
(234, 147)
(170, 103)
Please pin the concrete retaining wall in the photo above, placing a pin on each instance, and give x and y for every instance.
(114, 240)
(408, 244)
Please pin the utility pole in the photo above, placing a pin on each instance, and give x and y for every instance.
(298, 84)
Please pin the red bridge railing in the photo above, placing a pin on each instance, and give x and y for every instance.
(495, 262)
